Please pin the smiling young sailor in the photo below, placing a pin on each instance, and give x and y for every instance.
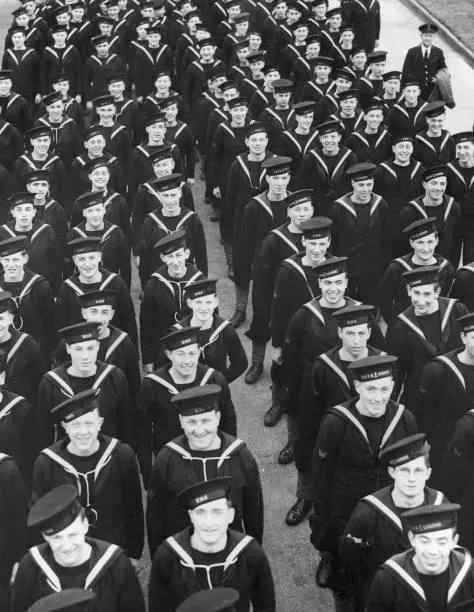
(330, 382)
(68, 558)
(81, 372)
(435, 574)
(103, 469)
(164, 301)
(346, 455)
(424, 240)
(221, 347)
(116, 346)
(427, 328)
(311, 331)
(160, 422)
(91, 276)
(32, 295)
(202, 452)
(210, 554)
(375, 530)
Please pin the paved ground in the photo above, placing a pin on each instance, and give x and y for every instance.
(292, 558)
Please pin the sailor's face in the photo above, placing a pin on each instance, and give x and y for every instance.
(354, 338)
(301, 212)
(425, 247)
(23, 214)
(333, 288)
(212, 520)
(203, 307)
(185, 359)
(176, 261)
(83, 432)
(87, 263)
(83, 355)
(95, 145)
(99, 177)
(101, 314)
(39, 188)
(423, 298)
(374, 395)
(67, 545)
(316, 249)
(257, 143)
(432, 549)
(13, 265)
(201, 429)
(410, 478)
(6, 320)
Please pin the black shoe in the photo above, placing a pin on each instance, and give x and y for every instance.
(253, 373)
(287, 454)
(298, 512)
(273, 415)
(238, 318)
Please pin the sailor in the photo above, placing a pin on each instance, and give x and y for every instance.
(159, 422)
(202, 452)
(104, 470)
(434, 572)
(69, 558)
(375, 530)
(200, 558)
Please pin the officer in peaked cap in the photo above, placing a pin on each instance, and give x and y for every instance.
(375, 530)
(66, 551)
(425, 60)
(435, 569)
(231, 554)
(337, 484)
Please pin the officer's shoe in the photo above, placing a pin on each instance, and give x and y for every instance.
(273, 415)
(253, 373)
(287, 454)
(298, 512)
(237, 318)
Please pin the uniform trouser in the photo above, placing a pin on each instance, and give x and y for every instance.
(5, 597)
(304, 486)
(364, 288)
(343, 603)
(463, 241)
